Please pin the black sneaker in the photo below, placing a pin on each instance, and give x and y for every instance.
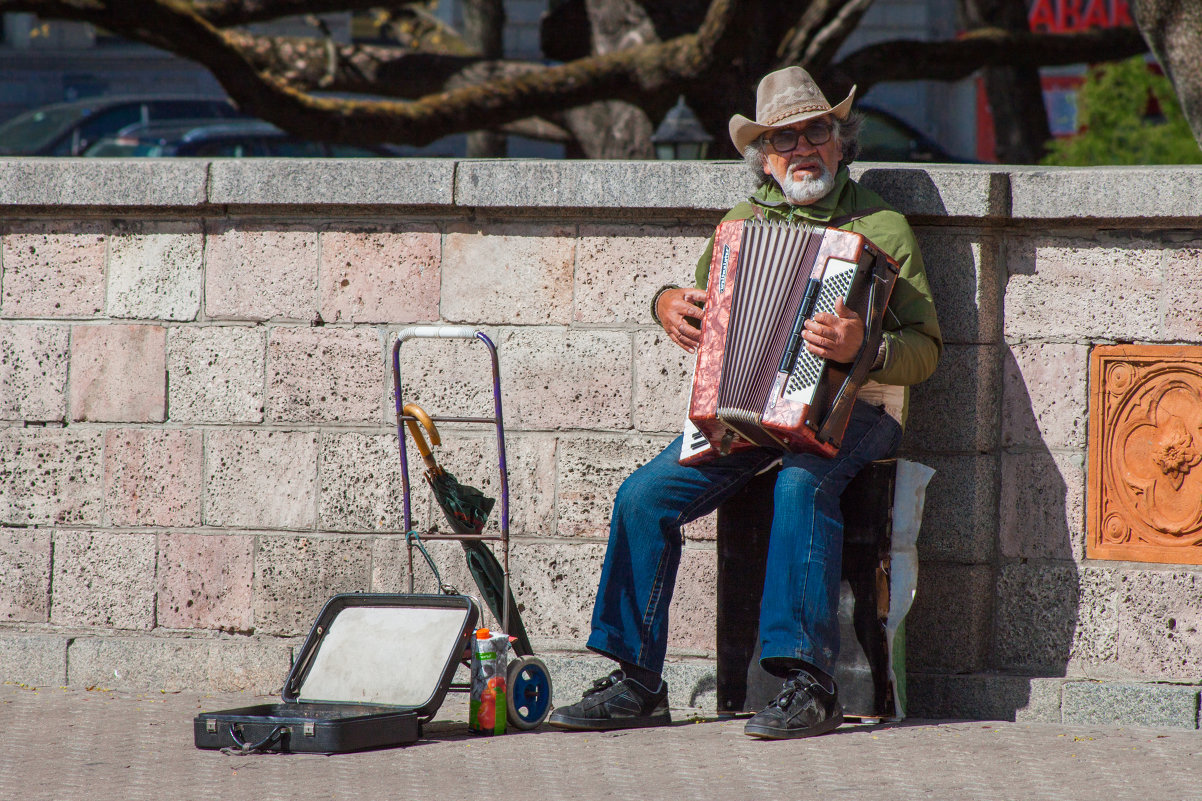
(615, 702)
(803, 708)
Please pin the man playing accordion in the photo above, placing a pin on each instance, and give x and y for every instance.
(799, 146)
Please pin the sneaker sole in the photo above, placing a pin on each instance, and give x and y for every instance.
(774, 733)
(593, 724)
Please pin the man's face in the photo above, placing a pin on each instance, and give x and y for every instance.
(806, 173)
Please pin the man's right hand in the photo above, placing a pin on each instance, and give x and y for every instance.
(674, 307)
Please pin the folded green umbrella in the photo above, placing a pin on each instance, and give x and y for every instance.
(467, 509)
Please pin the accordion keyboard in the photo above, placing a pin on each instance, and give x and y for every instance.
(693, 442)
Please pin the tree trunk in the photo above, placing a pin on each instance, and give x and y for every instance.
(1020, 119)
(1173, 30)
(615, 129)
(1015, 94)
(483, 28)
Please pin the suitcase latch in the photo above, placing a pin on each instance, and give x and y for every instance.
(310, 728)
(210, 726)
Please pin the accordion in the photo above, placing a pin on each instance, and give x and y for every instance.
(755, 384)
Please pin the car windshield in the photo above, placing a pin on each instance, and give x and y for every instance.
(33, 130)
(121, 148)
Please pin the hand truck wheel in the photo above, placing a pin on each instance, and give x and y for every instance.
(528, 701)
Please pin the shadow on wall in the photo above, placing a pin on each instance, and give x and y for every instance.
(998, 589)
(1039, 588)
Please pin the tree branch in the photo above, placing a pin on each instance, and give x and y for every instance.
(387, 71)
(793, 44)
(908, 60)
(304, 64)
(225, 13)
(827, 40)
(271, 77)
(628, 74)
(625, 74)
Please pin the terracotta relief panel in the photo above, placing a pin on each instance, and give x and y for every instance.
(1145, 453)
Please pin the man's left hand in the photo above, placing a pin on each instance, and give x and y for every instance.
(835, 336)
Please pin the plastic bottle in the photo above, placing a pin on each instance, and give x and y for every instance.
(487, 705)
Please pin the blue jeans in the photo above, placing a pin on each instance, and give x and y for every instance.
(799, 610)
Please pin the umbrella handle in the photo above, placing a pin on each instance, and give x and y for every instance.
(413, 410)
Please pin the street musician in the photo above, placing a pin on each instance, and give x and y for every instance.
(799, 147)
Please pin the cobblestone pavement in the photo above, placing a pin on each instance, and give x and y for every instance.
(67, 744)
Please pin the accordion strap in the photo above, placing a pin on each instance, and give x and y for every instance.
(883, 277)
(839, 222)
(835, 222)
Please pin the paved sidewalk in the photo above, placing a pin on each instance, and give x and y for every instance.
(69, 745)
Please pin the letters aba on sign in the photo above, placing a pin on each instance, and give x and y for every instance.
(1066, 16)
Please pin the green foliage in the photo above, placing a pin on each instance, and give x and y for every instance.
(1116, 125)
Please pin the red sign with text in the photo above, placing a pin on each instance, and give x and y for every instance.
(1067, 16)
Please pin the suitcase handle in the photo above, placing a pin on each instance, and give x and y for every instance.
(251, 748)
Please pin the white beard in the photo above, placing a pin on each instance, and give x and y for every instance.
(809, 189)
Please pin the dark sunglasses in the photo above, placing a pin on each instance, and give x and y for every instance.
(785, 139)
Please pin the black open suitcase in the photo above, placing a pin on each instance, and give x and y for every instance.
(372, 670)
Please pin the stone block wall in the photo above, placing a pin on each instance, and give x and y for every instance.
(197, 444)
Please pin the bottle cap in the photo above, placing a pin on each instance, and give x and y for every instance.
(483, 634)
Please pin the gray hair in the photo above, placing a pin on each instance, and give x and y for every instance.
(847, 131)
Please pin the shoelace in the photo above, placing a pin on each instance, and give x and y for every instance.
(605, 683)
(792, 687)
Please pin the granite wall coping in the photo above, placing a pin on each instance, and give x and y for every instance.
(949, 191)
(56, 182)
(371, 182)
(1094, 193)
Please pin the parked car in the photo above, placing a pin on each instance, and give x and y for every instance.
(886, 137)
(239, 139)
(67, 129)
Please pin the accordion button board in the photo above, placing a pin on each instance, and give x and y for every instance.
(807, 368)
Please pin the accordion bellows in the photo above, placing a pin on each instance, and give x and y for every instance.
(755, 383)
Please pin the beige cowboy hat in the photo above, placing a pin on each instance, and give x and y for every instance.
(783, 98)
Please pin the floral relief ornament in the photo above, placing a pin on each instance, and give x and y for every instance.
(1157, 445)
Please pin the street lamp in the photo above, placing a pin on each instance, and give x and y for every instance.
(680, 136)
